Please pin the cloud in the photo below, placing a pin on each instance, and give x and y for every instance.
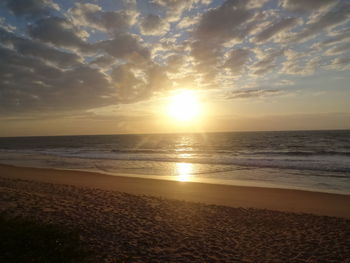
(157, 78)
(339, 49)
(39, 72)
(292, 63)
(6, 26)
(84, 56)
(224, 23)
(92, 16)
(59, 32)
(236, 60)
(128, 85)
(215, 28)
(134, 84)
(267, 61)
(39, 50)
(298, 63)
(257, 3)
(276, 27)
(154, 25)
(252, 93)
(334, 38)
(28, 84)
(206, 58)
(309, 5)
(174, 63)
(187, 22)
(125, 46)
(339, 64)
(324, 22)
(175, 8)
(103, 61)
(31, 8)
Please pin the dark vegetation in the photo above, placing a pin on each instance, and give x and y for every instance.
(23, 240)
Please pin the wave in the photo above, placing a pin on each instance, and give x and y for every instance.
(305, 153)
(205, 152)
(234, 153)
(299, 161)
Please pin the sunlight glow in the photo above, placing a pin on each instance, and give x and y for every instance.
(184, 172)
(184, 106)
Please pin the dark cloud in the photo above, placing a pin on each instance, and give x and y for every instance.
(39, 50)
(29, 84)
(157, 78)
(224, 23)
(32, 8)
(59, 32)
(234, 23)
(93, 16)
(135, 84)
(276, 27)
(206, 57)
(216, 27)
(309, 5)
(124, 46)
(245, 94)
(127, 83)
(103, 61)
(174, 63)
(38, 73)
(324, 22)
(49, 54)
(153, 25)
(237, 59)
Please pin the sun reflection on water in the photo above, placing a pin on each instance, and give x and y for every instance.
(184, 171)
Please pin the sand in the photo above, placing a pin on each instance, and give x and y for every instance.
(235, 196)
(144, 220)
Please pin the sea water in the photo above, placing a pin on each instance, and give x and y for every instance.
(308, 160)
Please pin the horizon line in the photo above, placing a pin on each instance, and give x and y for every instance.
(174, 133)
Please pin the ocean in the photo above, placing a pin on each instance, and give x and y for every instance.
(307, 160)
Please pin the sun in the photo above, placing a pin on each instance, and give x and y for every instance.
(184, 106)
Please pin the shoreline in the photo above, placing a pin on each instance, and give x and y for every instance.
(286, 200)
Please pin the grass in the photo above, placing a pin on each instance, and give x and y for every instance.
(23, 240)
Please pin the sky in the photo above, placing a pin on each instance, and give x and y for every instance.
(108, 66)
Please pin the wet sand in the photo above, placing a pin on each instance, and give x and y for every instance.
(227, 195)
(144, 220)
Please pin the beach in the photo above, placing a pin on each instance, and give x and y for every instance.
(174, 131)
(148, 220)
